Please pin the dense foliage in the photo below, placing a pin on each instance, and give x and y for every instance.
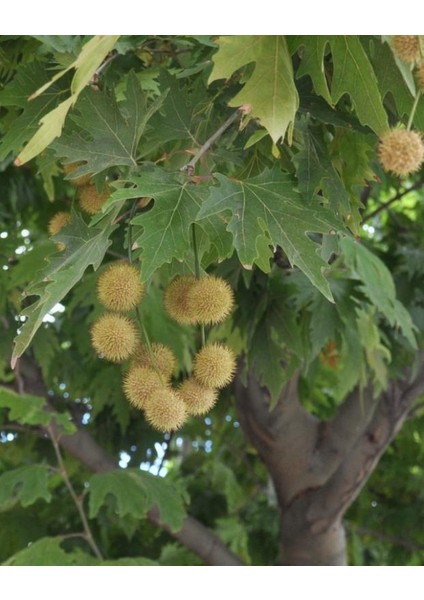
(251, 158)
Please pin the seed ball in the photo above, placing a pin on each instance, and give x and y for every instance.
(419, 76)
(164, 359)
(58, 222)
(76, 181)
(165, 410)
(114, 336)
(119, 287)
(139, 385)
(407, 47)
(198, 399)
(214, 366)
(401, 151)
(210, 300)
(90, 200)
(175, 299)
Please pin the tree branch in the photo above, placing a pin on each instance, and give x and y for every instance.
(395, 198)
(193, 534)
(331, 501)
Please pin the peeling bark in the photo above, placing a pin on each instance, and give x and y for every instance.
(318, 468)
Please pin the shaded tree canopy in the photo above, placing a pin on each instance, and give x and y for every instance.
(212, 306)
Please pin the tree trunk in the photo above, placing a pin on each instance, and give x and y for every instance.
(301, 545)
(319, 467)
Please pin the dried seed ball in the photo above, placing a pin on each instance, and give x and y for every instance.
(139, 385)
(57, 223)
(214, 366)
(114, 336)
(419, 76)
(119, 287)
(76, 181)
(165, 410)
(198, 399)
(164, 359)
(90, 200)
(175, 299)
(210, 300)
(407, 47)
(401, 151)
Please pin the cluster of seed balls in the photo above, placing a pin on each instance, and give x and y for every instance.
(400, 150)
(90, 201)
(147, 381)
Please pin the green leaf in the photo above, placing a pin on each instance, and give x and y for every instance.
(270, 91)
(275, 350)
(32, 410)
(24, 408)
(113, 129)
(135, 493)
(24, 486)
(46, 552)
(353, 74)
(84, 246)
(378, 286)
(267, 211)
(15, 94)
(85, 65)
(166, 226)
(315, 171)
(224, 481)
(234, 534)
(312, 62)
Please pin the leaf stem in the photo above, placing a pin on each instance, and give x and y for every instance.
(414, 108)
(197, 273)
(189, 167)
(137, 310)
(77, 501)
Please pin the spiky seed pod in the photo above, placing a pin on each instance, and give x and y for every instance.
(198, 399)
(139, 385)
(119, 287)
(210, 300)
(407, 47)
(175, 299)
(401, 151)
(164, 359)
(58, 222)
(76, 181)
(90, 200)
(165, 410)
(419, 76)
(114, 336)
(214, 366)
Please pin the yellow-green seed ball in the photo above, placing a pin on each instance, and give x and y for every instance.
(119, 287)
(214, 366)
(114, 336)
(198, 399)
(165, 410)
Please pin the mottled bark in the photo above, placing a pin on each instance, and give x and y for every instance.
(319, 467)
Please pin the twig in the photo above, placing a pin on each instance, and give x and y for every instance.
(77, 501)
(398, 196)
(386, 537)
(197, 273)
(189, 167)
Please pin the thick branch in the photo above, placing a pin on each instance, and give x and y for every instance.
(340, 434)
(195, 536)
(285, 436)
(335, 497)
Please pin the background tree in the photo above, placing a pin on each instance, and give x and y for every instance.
(290, 167)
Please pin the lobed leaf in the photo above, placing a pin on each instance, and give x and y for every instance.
(135, 493)
(270, 91)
